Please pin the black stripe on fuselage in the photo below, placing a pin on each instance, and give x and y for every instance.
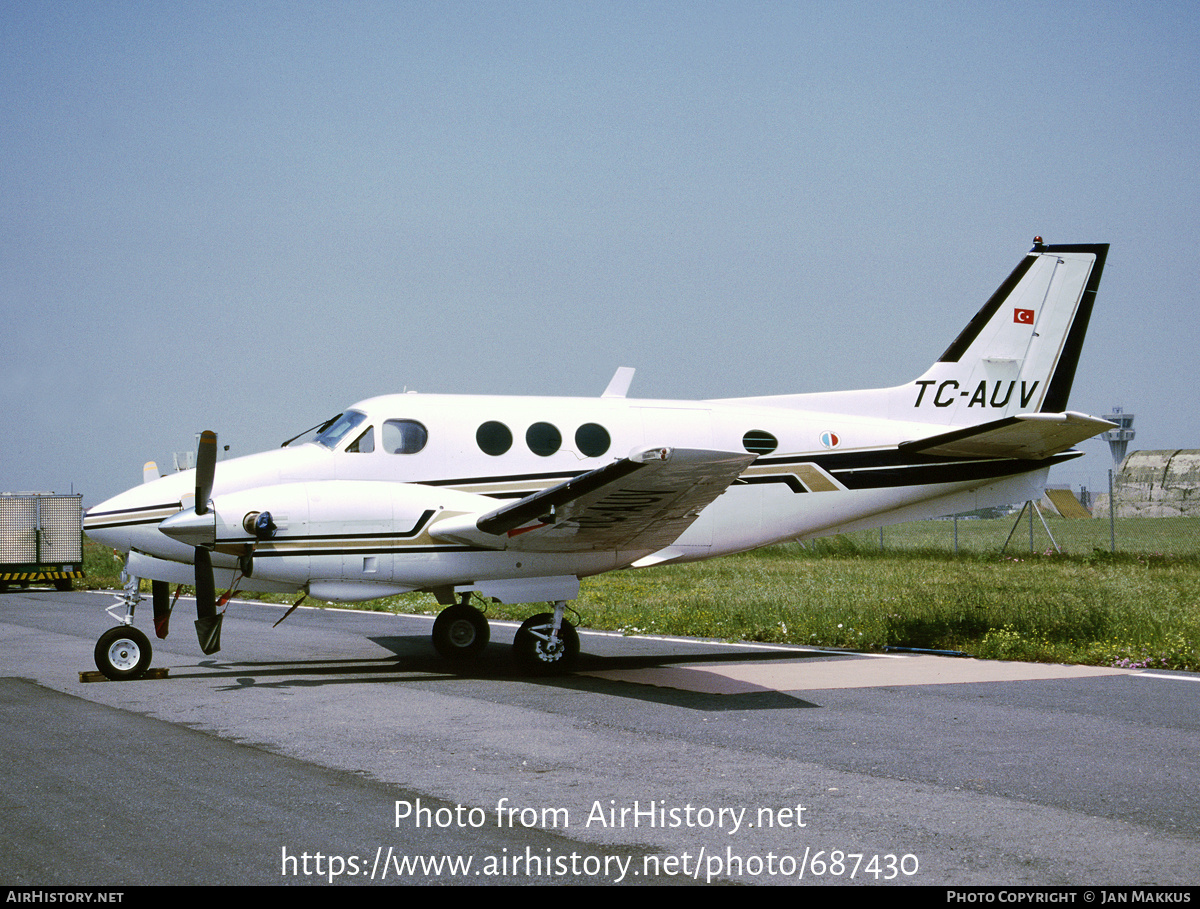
(465, 482)
(855, 470)
(316, 541)
(128, 517)
(892, 468)
(789, 480)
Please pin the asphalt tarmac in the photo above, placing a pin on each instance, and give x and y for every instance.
(339, 748)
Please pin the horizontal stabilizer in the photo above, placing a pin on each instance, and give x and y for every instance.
(644, 501)
(1027, 436)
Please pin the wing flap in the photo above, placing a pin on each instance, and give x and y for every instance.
(1027, 436)
(644, 501)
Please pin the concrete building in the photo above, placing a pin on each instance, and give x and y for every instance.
(1156, 484)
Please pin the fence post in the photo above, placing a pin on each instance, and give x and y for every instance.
(1112, 515)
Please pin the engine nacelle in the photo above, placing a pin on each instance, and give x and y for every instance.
(340, 538)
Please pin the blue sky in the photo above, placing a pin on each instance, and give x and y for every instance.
(245, 216)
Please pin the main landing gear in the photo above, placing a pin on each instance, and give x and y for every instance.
(460, 631)
(545, 644)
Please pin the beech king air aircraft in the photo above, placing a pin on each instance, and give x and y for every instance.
(518, 498)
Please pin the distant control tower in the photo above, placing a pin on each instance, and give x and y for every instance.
(1118, 439)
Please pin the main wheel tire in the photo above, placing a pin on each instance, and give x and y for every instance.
(123, 653)
(460, 632)
(536, 655)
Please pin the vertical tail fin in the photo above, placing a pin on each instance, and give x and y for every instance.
(1019, 353)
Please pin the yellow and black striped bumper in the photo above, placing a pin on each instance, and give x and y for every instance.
(44, 574)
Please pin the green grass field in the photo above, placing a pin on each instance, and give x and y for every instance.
(1137, 607)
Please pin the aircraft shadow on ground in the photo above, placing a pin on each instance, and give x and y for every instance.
(414, 661)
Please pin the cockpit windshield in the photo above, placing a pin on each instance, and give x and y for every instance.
(337, 430)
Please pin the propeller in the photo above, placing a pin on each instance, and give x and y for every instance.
(206, 466)
(208, 622)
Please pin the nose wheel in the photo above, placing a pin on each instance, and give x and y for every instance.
(123, 653)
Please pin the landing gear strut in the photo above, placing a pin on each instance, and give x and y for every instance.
(124, 653)
(546, 644)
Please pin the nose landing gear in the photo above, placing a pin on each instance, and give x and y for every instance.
(123, 653)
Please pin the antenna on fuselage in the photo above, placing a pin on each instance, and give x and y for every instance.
(618, 386)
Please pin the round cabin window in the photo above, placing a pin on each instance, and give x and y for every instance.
(592, 440)
(494, 438)
(543, 439)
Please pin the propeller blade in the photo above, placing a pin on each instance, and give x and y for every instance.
(208, 622)
(206, 592)
(162, 607)
(206, 467)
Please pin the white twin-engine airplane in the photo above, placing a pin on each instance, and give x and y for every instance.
(518, 498)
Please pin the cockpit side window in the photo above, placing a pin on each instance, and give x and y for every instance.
(340, 428)
(364, 444)
(403, 436)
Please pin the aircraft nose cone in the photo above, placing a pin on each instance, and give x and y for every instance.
(191, 528)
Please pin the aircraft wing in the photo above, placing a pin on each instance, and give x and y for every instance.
(644, 501)
(1028, 436)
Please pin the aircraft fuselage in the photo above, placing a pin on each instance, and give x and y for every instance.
(354, 517)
